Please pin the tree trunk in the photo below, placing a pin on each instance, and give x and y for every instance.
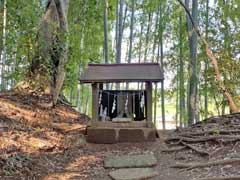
(156, 34)
(131, 31)
(148, 35)
(181, 75)
(116, 29)
(131, 36)
(162, 66)
(3, 55)
(150, 14)
(105, 20)
(119, 37)
(62, 7)
(120, 27)
(177, 97)
(78, 102)
(87, 101)
(48, 64)
(155, 43)
(140, 49)
(124, 18)
(192, 36)
(206, 66)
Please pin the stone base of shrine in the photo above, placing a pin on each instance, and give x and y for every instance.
(106, 135)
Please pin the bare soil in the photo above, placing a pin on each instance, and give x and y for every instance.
(38, 142)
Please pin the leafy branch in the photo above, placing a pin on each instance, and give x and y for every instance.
(212, 57)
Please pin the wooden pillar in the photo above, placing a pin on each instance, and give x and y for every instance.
(163, 106)
(95, 91)
(149, 103)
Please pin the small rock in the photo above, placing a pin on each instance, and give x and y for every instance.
(133, 174)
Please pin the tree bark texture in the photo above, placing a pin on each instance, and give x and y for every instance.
(192, 36)
(48, 64)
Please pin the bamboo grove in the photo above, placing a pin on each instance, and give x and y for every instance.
(128, 31)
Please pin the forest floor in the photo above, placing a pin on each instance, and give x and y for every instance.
(37, 142)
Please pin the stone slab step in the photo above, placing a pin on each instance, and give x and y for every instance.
(133, 174)
(130, 161)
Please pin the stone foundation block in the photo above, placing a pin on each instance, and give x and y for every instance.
(101, 136)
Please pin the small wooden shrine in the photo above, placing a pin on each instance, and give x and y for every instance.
(121, 115)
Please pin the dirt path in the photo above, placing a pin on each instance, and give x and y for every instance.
(48, 144)
(166, 160)
(87, 162)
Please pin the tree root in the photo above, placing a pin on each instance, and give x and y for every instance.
(210, 132)
(185, 145)
(189, 166)
(195, 149)
(63, 100)
(203, 139)
(221, 178)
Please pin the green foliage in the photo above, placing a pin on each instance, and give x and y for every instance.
(85, 20)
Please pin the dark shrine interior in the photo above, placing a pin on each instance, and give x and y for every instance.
(134, 97)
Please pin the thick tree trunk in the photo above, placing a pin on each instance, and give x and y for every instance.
(62, 7)
(48, 65)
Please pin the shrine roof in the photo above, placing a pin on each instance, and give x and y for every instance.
(134, 72)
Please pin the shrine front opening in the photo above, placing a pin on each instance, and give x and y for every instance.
(122, 105)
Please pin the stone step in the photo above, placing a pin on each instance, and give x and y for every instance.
(133, 174)
(130, 161)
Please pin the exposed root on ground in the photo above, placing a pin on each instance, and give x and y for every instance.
(214, 142)
(207, 164)
(221, 178)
